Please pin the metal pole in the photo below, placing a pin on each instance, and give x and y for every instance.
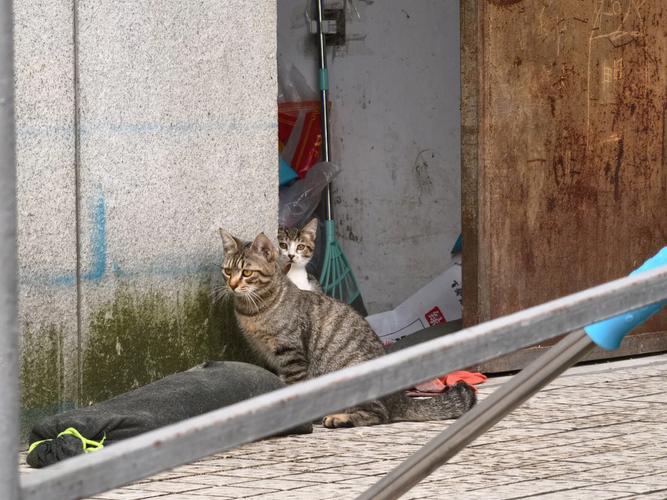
(9, 392)
(478, 420)
(324, 96)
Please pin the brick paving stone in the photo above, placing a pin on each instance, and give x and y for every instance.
(188, 496)
(214, 480)
(583, 494)
(229, 492)
(657, 495)
(526, 488)
(366, 481)
(236, 463)
(266, 472)
(321, 477)
(280, 484)
(318, 492)
(651, 482)
(126, 494)
(651, 398)
(165, 487)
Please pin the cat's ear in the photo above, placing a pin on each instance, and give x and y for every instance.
(263, 245)
(311, 228)
(229, 243)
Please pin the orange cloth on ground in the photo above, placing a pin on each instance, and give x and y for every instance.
(441, 383)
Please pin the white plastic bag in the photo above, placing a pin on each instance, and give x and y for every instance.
(298, 201)
(437, 302)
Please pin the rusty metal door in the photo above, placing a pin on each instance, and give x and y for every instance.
(563, 178)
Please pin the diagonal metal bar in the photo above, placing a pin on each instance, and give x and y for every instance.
(481, 418)
(265, 415)
(9, 375)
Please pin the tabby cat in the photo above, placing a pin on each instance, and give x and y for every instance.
(303, 335)
(296, 249)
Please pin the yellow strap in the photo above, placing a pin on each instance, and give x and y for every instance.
(37, 443)
(88, 444)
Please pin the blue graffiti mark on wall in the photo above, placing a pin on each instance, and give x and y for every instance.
(98, 249)
(67, 280)
(92, 128)
(98, 243)
(99, 267)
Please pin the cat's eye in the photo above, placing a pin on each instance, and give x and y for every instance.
(300, 247)
(283, 246)
(226, 271)
(246, 273)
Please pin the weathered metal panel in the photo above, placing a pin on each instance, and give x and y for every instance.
(570, 179)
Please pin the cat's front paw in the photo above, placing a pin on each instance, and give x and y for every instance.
(337, 420)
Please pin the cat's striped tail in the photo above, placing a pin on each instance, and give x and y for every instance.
(454, 402)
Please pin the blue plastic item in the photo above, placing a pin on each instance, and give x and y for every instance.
(609, 333)
(286, 175)
(458, 245)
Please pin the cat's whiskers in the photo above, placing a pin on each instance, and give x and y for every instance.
(220, 293)
(254, 298)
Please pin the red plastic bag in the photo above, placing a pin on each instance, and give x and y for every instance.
(300, 134)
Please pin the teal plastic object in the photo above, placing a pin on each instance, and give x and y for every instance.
(324, 79)
(286, 174)
(609, 333)
(458, 245)
(336, 277)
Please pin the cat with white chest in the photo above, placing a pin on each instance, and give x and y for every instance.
(296, 249)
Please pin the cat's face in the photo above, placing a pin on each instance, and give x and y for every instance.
(248, 268)
(297, 245)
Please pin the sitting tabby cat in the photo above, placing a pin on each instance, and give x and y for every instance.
(303, 335)
(296, 249)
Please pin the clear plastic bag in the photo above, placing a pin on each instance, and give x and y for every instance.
(299, 129)
(298, 201)
(292, 85)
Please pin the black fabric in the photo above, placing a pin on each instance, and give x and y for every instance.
(174, 398)
(54, 451)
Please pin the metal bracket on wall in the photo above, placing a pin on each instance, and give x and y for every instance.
(333, 25)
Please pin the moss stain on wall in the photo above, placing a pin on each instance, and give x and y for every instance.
(42, 373)
(41, 365)
(138, 337)
(143, 336)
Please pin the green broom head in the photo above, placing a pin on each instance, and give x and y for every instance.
(336, 278)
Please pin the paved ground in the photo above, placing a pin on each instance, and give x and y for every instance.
(597, 432)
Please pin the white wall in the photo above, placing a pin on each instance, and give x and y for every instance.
(395, 131)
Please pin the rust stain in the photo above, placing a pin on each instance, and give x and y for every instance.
(503, 3)
(552, 105)
(617, 170)
(575, 165)
(551, 203)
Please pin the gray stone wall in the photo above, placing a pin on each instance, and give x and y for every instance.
(142, 127)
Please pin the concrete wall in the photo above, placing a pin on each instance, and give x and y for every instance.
(396, 132)
(143, 126)
(47, 230)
